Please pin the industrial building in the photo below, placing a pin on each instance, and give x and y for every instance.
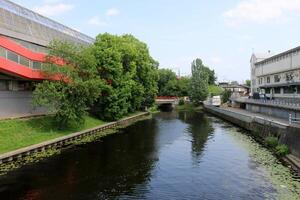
(277, 76)
(24, 36)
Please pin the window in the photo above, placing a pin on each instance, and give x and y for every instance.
(2, 52)
(268, 79)
(4, 85)
(289, 90)
(25, 86)
(268, 90)
(12, 56)
(277, 90)
(24, 61)
(298, 89)
(36, 65)
(276, 78)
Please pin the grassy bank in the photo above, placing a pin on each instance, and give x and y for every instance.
(18, 133)
(188, 107)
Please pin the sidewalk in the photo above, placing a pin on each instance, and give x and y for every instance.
(260, 115)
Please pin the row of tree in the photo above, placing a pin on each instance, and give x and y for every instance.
(111, 78)
(196, 86)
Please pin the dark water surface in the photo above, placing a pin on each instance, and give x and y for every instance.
(182, 155)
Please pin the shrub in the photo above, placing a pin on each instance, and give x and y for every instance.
(181, 102)
(271, 142)
(282, 150)
(226, 95)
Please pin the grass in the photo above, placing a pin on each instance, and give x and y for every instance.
(18, 133)
(215, 90)
(188, 107)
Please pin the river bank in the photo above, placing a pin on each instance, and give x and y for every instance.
(263, 128)
(172, 155)
(33, 153)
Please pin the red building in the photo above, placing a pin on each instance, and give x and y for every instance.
(24, 36)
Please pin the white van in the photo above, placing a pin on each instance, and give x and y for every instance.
(216, 101)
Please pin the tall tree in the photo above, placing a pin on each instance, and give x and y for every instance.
(77, 88)
(199, 82)
(131, 73)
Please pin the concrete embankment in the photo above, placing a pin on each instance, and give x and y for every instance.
(262, 126)
(61, 141)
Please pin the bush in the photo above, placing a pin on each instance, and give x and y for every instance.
(181, 102)
(282, 150)
(226, 95)
(271, 142)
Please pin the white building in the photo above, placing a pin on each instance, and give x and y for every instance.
(277, 76)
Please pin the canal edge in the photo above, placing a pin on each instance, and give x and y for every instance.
(251, 124)
(60, 141)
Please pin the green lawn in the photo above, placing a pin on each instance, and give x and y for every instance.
(18, 133)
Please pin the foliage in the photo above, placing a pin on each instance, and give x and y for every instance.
(282, 150)
(199, 82)
(170, 85)
(131, 75)
(76, 86)
(248, 83)
(211, 76)
(181, 102)
(226, 95)
(271, 141)
(215, 90)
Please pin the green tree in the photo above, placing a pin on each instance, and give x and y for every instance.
(76, 86)
(199, 82)
(211, 75)
(131, 73)
(248, 83)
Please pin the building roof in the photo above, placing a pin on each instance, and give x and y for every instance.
(279, 55)
(25, 21)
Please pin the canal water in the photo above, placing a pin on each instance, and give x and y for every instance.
(174, 155)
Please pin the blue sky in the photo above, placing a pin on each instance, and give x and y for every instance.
(222, 33)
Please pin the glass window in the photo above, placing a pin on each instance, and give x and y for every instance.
(289, 90)
(276, 78)
(2, 52)
(298, 89)
(268, 90)
(4, 85)
(268, 79)
(36, 65)
(12, 56)
(24, 61)
(277, 90)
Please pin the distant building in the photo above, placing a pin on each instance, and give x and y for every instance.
(24, 37)
(235, 87)
(277, 76)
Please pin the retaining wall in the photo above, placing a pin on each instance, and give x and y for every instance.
(262, 127)
(10, 156)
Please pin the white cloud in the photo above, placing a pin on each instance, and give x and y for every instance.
(96, 21)
(261, 11)
(112, 12)
(53, 9)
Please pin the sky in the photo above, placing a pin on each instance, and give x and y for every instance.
(223, 33)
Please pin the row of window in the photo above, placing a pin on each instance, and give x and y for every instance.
(277, 78)
(285, 90)
(10, 85)
(279, 58)
(12, 56)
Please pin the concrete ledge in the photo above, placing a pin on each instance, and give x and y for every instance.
(10, 156)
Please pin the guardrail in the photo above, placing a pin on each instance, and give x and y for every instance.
(293, 119)
(271, 102)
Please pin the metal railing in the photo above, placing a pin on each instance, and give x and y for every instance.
(293, 119)
(288, 102)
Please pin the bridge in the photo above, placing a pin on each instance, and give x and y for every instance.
(166, 102)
